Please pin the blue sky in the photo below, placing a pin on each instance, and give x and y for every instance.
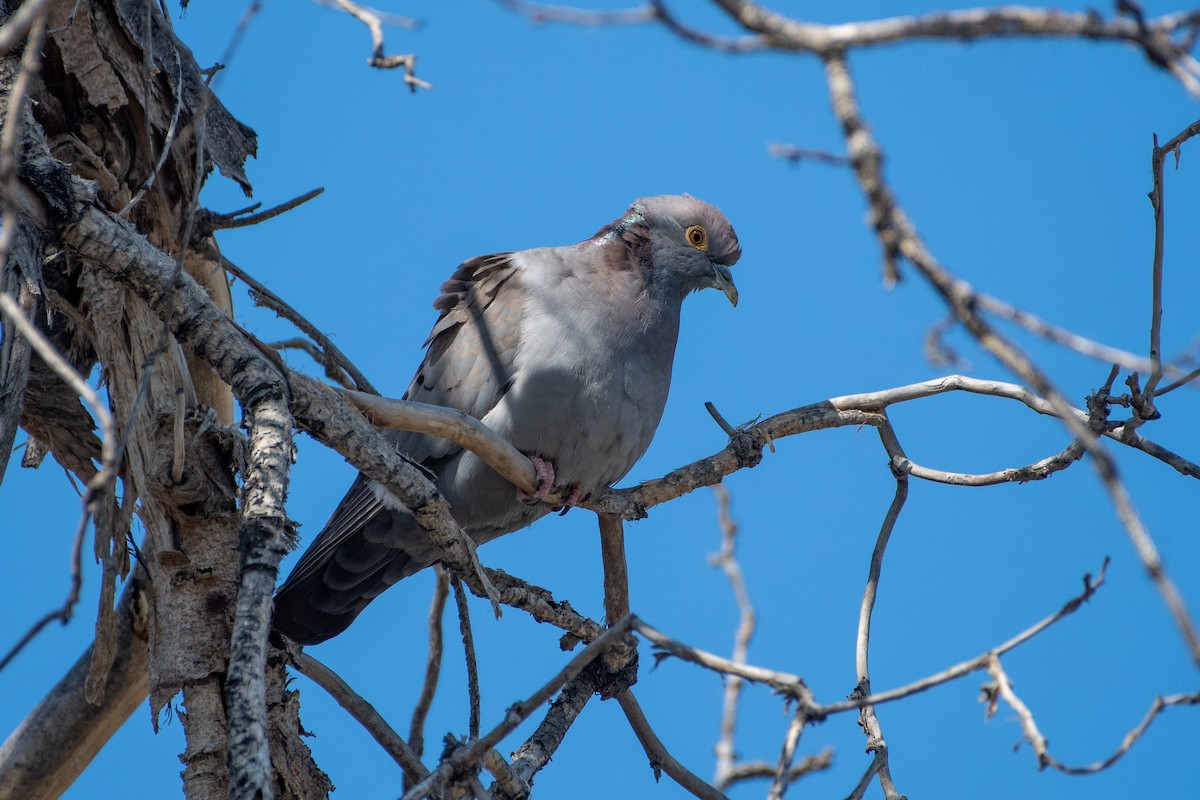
(1026, 167)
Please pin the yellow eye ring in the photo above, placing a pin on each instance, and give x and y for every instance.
(697, 237)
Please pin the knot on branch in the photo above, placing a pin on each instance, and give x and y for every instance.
(747, 446)
(615, 671)
(1141, 403)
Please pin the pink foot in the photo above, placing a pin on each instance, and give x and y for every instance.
(571, 500)
(545, 482)
(545, 485)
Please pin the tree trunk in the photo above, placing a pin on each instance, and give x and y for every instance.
(120, 102)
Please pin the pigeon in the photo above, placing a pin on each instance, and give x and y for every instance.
(566, 352)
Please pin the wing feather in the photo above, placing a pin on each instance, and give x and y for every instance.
(468, 365)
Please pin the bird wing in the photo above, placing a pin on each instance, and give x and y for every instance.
(468, 365)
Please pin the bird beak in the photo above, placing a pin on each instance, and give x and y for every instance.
(723, 280)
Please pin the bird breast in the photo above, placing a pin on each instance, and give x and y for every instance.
(591, 378)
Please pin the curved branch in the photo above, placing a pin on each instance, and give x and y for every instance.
(364, 712)
(656, 751)
(1154, 36)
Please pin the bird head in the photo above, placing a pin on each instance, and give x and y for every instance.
(684, 243)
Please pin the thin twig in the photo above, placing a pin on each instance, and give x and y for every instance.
(469, 754)
(210, 221)
(783, 771)
(791, 686)
(1053, 333)
(333, 370)
(252, 9)
(468, 640)
(433, 663)
(1184, 381)
(20, 23)
(660, 759)
(1001, 689)
(867, 717)
(726, 559)
(365, 713)
(1159, 705)
(61, 367)
(66, 611)
(899, 239)
(750, 770)
(796, 155)
(15, 111)
(103, 478)
(544, 12)
(378, 59)
(265, 297)
(1090, 587)
(168, 139)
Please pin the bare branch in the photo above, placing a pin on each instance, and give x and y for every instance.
(783, 771)
(168, 140)
(544, 12)
(749, 770)
(1001, 688)
(1158, 200)
(1090, 587)
(506, 779)
(867, 719)
(265, 297)
(210, 221)
(660, 759)
(1154, 36)
(1038, 470)
(433, 663)
(1053, 333)
(264, 534)
(43, 757)
(468, 640)
(796, 155)
(1159, 705)
(365, 713)
(517, 713)
(447, 423)
(536, 751)
(19, 24)
(616, 571)
(541, 605)
(379, 59)
(726, 559)
(724, 44)
(791, 686)
(900, 239)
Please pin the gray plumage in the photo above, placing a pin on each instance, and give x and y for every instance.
(564, 351)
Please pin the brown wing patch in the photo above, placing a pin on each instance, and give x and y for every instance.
(467, 366)
(472, 348)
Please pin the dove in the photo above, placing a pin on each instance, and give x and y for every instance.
(565, 352)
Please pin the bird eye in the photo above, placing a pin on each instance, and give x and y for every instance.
(697, 237)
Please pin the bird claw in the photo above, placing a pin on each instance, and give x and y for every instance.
(545, 482)
(571, 500)
(545, 487)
